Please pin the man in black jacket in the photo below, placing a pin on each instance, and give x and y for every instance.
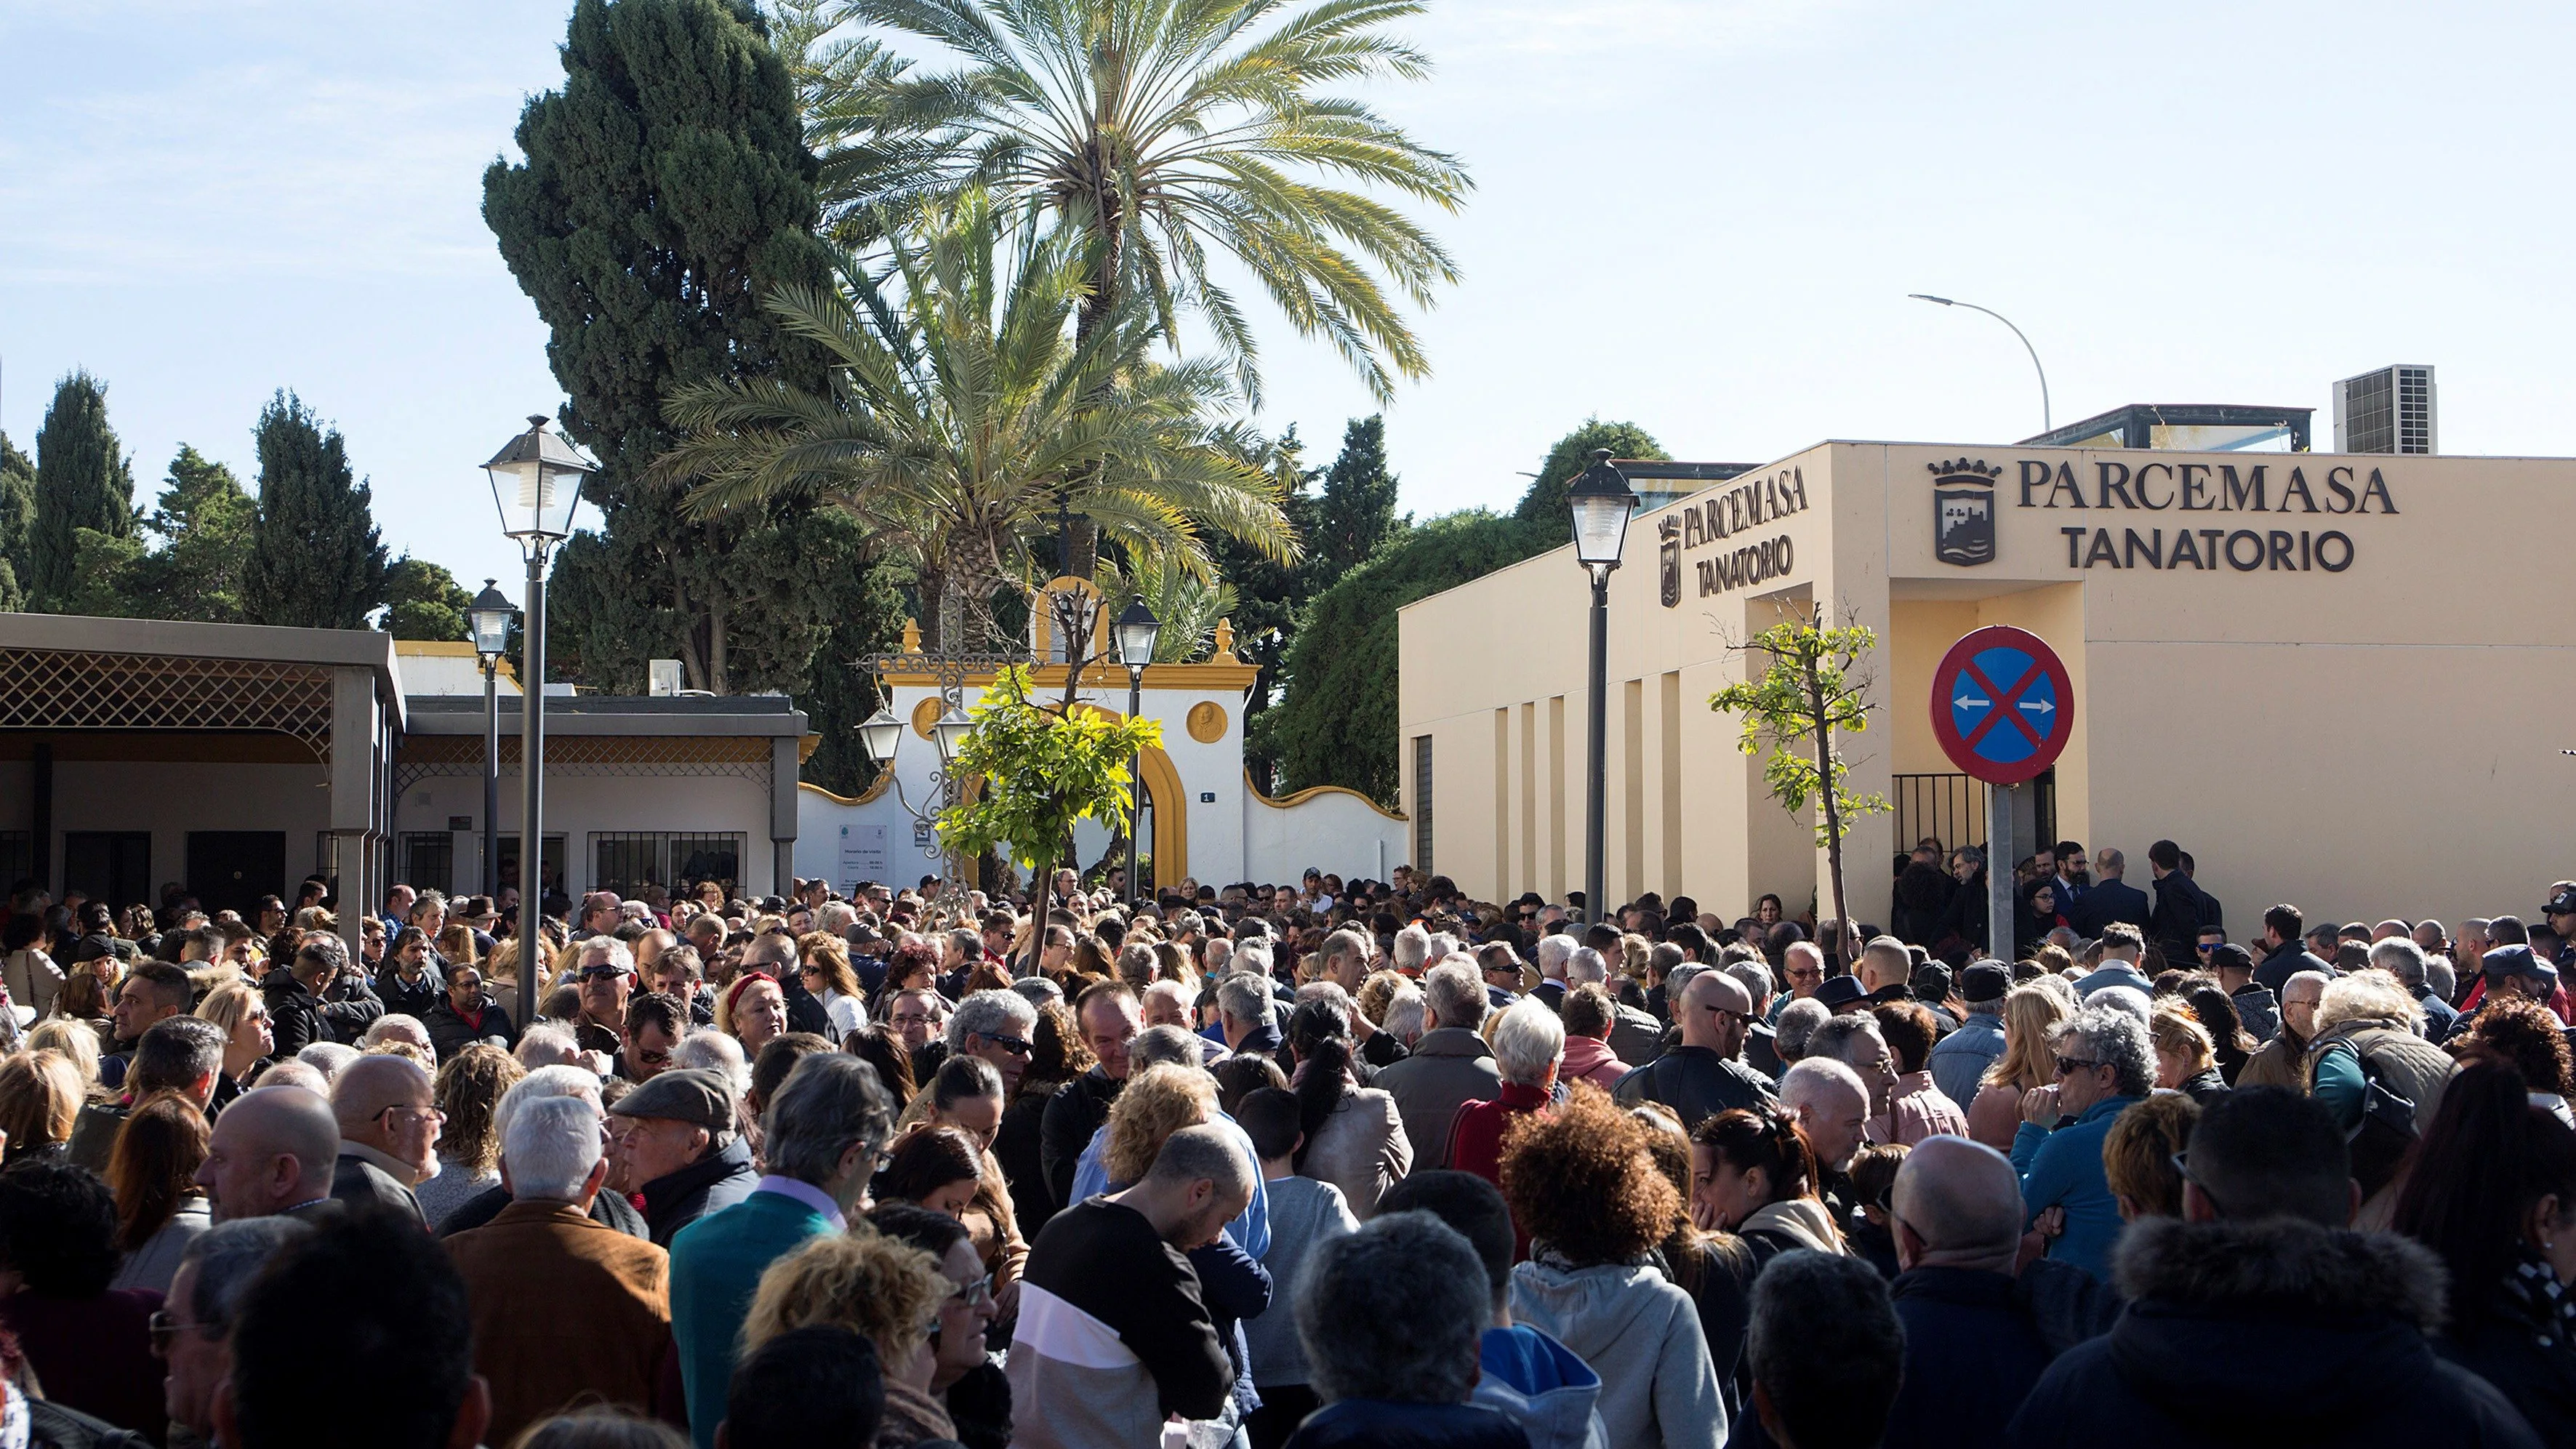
(2284, 954)
(1706, 1074)
(317, 997)
(2180, 909)
(1110, 1018)
(682, 1152)
(2111, 898)
(2260, 1317)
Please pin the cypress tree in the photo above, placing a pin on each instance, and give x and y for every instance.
(1357, 511)
(83, 480)
(205, 523)
(17, 524)
(316, 560)
(666, 190)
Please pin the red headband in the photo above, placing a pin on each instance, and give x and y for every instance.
(733, 993)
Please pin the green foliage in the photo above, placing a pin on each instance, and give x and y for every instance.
(866, 610)
(17, 525)
(1337, 724)
(1809, 690)
(1544, 501)
(1170, 129)
(667, 188)
(83, 480)
(204, 526)
(102, 581)
(1357, 511)
(424, 601)
(316, 559)
(1187, 605)
(962, 410)
(1043, 768)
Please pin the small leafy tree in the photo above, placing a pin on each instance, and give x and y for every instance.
(1043, 767)
(1808, 691)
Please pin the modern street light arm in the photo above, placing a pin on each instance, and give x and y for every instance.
(2046, 419)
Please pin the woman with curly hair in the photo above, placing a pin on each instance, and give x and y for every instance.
(880, 1288)
(468, 1087)
(2516, 1032)
(1582, 1182)
(914, 966)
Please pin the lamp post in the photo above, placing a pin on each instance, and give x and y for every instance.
(536, 485)
(488, 620)
(2046, 422)
(1137, 631)
(1602, 502)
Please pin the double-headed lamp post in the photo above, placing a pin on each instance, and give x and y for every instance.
(536, 485)
(881, 734)
(1137, 631)
(488, 620)
(1602, 502)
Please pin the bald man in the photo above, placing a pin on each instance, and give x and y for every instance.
(1706, 1074)
(1971, 1351)
(272, 1153)
(388, 1126)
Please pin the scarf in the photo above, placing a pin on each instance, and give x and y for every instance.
(2539, 1300)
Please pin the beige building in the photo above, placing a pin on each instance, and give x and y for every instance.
(2341, 681)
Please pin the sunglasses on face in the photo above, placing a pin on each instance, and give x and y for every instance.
(2068, 1066)
(603, 972)
(1017, 1046)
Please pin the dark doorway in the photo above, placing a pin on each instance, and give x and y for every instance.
(232, 869)
(114, 866)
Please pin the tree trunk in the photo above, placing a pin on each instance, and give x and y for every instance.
(1807, 666)
(716, 667)
(693, 659)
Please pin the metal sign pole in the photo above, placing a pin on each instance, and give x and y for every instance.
(2001, 912)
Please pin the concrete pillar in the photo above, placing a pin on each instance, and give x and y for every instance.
(783, 765)
(357, 781)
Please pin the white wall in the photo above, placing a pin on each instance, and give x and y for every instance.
(1332, 831)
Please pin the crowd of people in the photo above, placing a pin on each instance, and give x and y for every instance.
(1326, 1165)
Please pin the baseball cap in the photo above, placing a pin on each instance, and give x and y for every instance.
(1985, 981)
(2561, 904)
(2230, 957)
(693, 1095)
(2510, 961)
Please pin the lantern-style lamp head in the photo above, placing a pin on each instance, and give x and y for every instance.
(1137, 631)
(536, 484)
(488, 620)
(951, 730)
(1602, 502)
(879, 733)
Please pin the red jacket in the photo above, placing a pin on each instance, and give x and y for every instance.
(1476, 1141)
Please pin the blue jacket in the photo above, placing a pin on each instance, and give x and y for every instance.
(1541, 1385)
(716, 1263)
(2103, 902)
(1962, 1057)
(1971, 1356)
(2064, 1169)
(2115, 973)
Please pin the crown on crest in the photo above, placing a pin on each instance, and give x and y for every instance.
(1962, 467)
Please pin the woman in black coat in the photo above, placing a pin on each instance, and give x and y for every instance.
(2493, 1191)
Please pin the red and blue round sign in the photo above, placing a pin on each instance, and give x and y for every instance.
(2002, 705)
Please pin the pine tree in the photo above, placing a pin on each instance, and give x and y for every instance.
(424, 601)
(316, 560)
(17, 524)
(205, 523)
(83, 480)
(666, 189)
(1357, 511)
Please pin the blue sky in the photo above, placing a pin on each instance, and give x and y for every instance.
(1700, 215)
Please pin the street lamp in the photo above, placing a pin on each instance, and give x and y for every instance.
(488, 620)
(2046, 421)
(536, 485)
(1137, 631)
(1602, 502)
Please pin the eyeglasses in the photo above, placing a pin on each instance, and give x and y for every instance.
(910, 1018)
(2182, 1169)
(163, 1330)
(417, 1114)
(2068, 1066)
(975, 1294)
(1018, 1046)
(604, 971)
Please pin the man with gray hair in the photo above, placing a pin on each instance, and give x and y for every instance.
(1392, 1317)
(1798, 1021)
(822, 1137)
(182, 1054)
(193, 1336)
(1971, 1349)
(605, 970)
(999, 1027)
(1555, 976)
(1244, 1015)
(1412, 949)
(1762, 1039)
(544, 1262)
(1449, 1066)
(2105, 1064)
(1705, 1074)
(2400, 957)
(1113, 1335)
(608, 1207)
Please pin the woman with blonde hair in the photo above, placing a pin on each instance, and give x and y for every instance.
(40, 1100)
(242, 1012)
(825, 961)
(74, 1039)
(2031, 1017)
(1157, 1102)
(467, 1090)
(2186, 1058)
(456, 944)
(883, 1290)
(82, 1000)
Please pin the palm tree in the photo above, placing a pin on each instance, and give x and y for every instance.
(1168, 130)
(962, 412)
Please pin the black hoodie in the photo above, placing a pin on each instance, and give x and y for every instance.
(2272, 1333)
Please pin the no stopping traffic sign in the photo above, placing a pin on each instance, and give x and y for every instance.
(2002, 705)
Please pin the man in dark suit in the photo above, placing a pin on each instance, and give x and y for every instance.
(2109, 899)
